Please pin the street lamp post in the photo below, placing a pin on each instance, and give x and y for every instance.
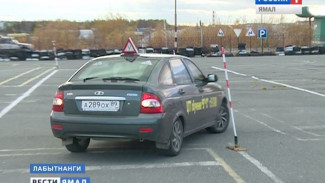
(55, 55)
(166, 38)
(201, 34)
(175, 41)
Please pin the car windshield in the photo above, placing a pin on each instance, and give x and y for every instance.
(117, 68)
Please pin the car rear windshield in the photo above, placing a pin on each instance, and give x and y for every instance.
(117, 68)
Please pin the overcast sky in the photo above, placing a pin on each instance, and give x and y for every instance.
(189, 11)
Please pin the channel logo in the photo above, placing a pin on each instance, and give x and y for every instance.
(278, 2)
(59, 180)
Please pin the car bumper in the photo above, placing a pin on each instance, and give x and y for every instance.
(113, 127)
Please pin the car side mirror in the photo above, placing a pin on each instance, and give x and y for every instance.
(212, 78)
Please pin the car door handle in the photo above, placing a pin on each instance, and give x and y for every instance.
(181, 91)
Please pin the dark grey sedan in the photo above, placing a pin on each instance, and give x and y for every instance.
(160, 98)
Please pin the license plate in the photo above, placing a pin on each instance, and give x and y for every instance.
(100, 105)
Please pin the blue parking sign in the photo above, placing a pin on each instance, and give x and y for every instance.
(262, 33)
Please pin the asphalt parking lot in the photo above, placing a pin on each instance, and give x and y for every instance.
(279, 107)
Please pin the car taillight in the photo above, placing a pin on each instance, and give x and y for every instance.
(150, 103)
(57, 127)
(58, 104)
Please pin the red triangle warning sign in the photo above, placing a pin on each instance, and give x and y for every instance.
(129, 47)
(220, 33)
(250, 33)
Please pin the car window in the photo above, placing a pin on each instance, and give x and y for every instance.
(165, 77)
(180, 73)
(5, 41)
(116, 67)
(196, 73)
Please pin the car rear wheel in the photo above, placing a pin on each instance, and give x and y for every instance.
(222, 120)
(78, 145)
(175, 143)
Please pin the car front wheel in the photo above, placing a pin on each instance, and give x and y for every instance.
(222, 120)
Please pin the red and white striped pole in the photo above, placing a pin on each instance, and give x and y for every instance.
(55, 55)
(230, 101)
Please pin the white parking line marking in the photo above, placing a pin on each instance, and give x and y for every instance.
(306, 140)
(129, 167)
(290, 86)
(24, 95)
(301, 128)
(150, 166)
(32, 154)
(262, 168)
(316, 127)
(225, 166)
(20, 171)
(67, 69)
(10, 94)
(308, 132)
(34, 149)
(262, 123)
(19, 75)
(297, 128)
(273, 82)
(32, 79)
(273, 118)
(234, 72)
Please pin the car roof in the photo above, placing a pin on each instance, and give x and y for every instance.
(146, 55)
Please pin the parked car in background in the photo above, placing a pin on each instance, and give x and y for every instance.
(214, 50)
(197, 51)
(318, 50)
(243, 53)
(190, 52)
(164, 50)
(33, 56)
(93, 53)
(10, 47)
(255, 53)
(279, 51)
(77, 54)
(141, 50)
(297, 50)
(157, 50)
(61, 55)
(305, 50)
(288, 50)
(85, 54)
(315, 50)
(149, 50)
(46, 55)
(242, 50)
(204, 51)
(69, 54)
(115, 51)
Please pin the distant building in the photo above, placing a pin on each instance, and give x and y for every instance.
(2, 26)
(319, 27)
(145, 33)
(86, 34)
